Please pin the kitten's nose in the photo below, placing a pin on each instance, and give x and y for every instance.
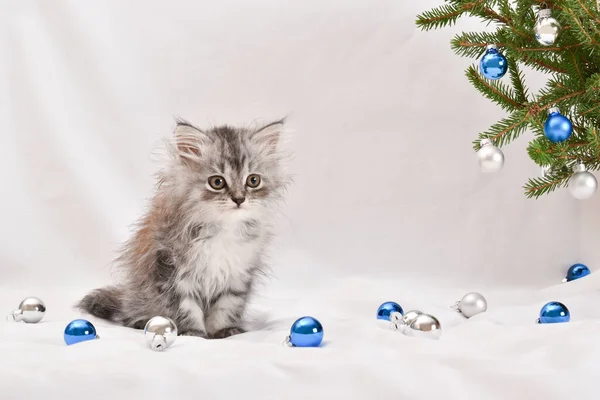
(238, 200)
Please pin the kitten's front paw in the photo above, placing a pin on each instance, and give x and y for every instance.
(192, 332)
(226, 332)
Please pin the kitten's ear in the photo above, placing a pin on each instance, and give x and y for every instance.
(189, 140)
(269, 135)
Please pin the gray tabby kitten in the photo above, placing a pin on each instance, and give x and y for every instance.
(197, 252)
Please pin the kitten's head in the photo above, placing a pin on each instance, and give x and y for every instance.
(228, 173)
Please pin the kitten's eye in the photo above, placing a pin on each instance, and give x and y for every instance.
(253, 181)
(217, 182)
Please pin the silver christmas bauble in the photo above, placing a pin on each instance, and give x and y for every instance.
(426, 326)
(160, 333)
(410, 316)
(471, 304)
(491, 158)
(399, 322)
(582, 184)
(546, 28)
(31, 310)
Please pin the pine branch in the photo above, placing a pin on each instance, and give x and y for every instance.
(523, 13)
(473, 44)
(539, 151)
(536, 121)
(558, 95)
(485, 11)
(590, 109)
(593, 138)
(572, 65)
(589, 34)
(592, 84)
(504, 7)
(448, 14)
(542, 65)
(496, 91)
(586, 10)
(533, 56)
(439, 17)
(517, 78)
(537, 187)
(505, 130)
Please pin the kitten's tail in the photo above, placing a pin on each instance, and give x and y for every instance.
(105, 303)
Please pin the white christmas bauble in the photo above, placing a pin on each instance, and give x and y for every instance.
(546, 28)
(472, 304)
(491, 158)
(583, 184)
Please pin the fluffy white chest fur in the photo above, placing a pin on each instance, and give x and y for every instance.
(220, 262)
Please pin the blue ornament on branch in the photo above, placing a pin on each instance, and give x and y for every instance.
(557, 128)
(305, 332)
(493, 65)
(79, 330)
(554, 312)
(386, 309)
(576, 271)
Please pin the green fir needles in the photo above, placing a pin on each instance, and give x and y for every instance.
(572, 65)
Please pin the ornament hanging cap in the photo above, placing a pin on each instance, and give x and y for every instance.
(544, 13)
(288, 341)
(485, 142)
(546, 169)
(456, 306)
(579, 167)
(491, 46)
(15, 316)
(553, 110)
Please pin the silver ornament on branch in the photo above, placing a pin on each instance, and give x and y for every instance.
(546, 28)
(546, 169)
(471, 304)
(160, 333)
(425, 326)
(399, 322)
(491, 158)
(582, 184)
(31, 311)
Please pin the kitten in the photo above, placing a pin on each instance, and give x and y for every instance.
(196, 254)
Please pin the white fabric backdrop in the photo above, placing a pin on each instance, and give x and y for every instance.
(388, 202)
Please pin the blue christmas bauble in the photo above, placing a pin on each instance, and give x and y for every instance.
(79, 330)
(493, 65)
(306, 332)
(384, 310)
(557, 128)
(554, 312)
(577, 271)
